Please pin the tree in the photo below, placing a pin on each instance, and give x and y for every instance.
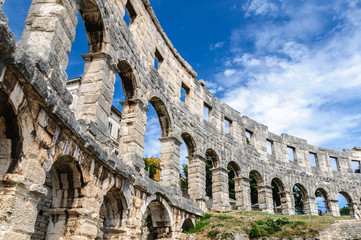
(152, 165)
(298, 200)
(345, 210)
(208, 176)
(184, 176)
(231, 185)
(275, 193)
(254, 189)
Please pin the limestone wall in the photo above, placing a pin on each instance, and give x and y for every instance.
(92, 183)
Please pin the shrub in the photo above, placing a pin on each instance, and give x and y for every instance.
(212, 234)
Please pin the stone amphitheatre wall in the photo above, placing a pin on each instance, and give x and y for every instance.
(60, 174)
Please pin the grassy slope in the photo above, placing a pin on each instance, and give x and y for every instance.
(260, 224)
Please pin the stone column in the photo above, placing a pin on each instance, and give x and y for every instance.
(96, 95)
(18, 207)
(265, 199)
(220, 189)
(286, 202)
(197, 180)
(333, 207)
(5, 155)
(307, 204)
(313, 209)
(169, 163)
(243, 194)
(78, 221)
(238, 187)
(132, 132)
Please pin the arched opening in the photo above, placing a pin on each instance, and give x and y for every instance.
(233, 183)
(187, 225)
(158, 127)
(65, 182)
(300, 199)
(345, 204)
(10, 140)
(211, 162)
(187, 149)
(279, 196)
(257, 191)
(111, 215)
(322, 201)
(156, 223)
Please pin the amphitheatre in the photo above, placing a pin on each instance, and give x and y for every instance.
(63, 177)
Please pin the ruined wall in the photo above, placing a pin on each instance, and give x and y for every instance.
(96, 190)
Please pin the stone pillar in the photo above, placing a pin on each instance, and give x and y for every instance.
(307, 204)
(80, 220)
(313, 209)
(220, 189)
(49, 31)
(169, 163)
(96, 95)
(286, 203)
(71, 224)
(197, 180)
(238, 187)
(265, 199)
(243, 194)
(132, 132)
(5, 156)
(18, 207)
(333, 207)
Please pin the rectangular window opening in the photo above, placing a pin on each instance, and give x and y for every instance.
(206, 112)
(270, 147)
(291, 153)
(158, 59)
(313, 159)
(130, 14)
(249, 135)
(118, 134)
(110, 126)
(184, 93)
(227, 124)
(356, 165)
(334, 164)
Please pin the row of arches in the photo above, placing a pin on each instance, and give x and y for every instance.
(107, 211)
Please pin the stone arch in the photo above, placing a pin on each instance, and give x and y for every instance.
(187, 224)
(279, 195)
(234, 183)
(163, 115)
(10, 136)
(128, 79)
(94, 25)
(111, 215)
(213, 156)
(349, 200)
(325, 196)
(301, 203)
(190, 143)
(66, 181)
(258, 196)
(157, 215)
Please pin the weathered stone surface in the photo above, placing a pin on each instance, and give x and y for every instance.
(64, 174)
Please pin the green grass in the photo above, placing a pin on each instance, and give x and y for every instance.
(257, 224)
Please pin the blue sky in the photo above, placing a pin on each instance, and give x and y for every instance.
(294, 66)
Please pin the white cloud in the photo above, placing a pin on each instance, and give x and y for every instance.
(297, 80)
(216, 46)
(151, 140)
(259, 7)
